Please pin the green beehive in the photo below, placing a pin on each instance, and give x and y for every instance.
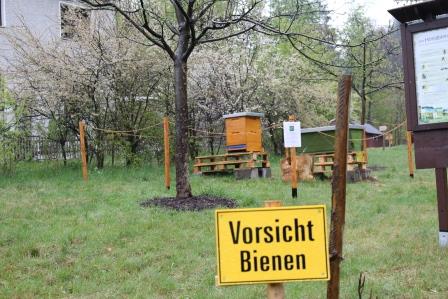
(321, 140)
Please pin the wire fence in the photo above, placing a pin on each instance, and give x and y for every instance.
(40, 148)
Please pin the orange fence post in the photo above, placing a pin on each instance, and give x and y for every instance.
(82, 144)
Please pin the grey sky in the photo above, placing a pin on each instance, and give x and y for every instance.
(375, 9)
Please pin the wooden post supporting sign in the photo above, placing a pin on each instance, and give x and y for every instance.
(166, 141)
(292, 150)
(339, 186)
(442, 205)
(82, 144)
(274, 290)
(410, 160)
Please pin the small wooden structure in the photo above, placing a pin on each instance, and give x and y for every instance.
(320, 142)
(245, 154)
(243, 132)
(230, 162)
(374, 136)
(321, 139)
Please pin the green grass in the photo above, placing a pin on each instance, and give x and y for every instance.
(61, 237)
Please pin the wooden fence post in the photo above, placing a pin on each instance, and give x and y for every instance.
(82, 144)
(364, 146)
(274, 290)
(339, 185)
(166, 141)
(410, 160)
(293, 165)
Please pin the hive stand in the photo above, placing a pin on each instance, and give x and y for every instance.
(245, 154)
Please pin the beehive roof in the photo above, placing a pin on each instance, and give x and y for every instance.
(240, 114)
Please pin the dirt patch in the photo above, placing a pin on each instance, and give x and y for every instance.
(194, 203)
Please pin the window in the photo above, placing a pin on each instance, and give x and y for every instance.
(2, 13)
(71, 18)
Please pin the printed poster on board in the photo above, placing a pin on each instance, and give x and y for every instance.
(431, 75)
(291, 134)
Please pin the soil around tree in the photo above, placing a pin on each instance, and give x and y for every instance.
(193, 203)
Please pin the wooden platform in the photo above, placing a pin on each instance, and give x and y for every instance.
(230, 162)
(323, 164)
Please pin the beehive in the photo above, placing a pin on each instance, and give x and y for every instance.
(243, 132)
(322, 139)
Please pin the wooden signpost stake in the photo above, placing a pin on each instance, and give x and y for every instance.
(442, 205)
(339, 186)
(294, 183)
(82, 144)
(274, 290)
(410, 160)
(166, 141)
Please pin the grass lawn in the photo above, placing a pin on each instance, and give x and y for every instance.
(61, 237)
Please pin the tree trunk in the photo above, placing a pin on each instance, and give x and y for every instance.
(363, 109)
(134, 142)
(369, 112)
(274, 142)
(183, 188)
(64, 153)
(99, 154)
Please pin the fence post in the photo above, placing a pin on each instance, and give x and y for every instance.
(83, 150)
(339, 185)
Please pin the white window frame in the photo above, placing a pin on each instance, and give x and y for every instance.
(2, 13)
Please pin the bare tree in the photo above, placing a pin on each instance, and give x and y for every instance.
(179, 26)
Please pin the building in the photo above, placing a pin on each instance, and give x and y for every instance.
(373, 135)
(49, 20)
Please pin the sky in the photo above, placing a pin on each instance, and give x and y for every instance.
(375, 9)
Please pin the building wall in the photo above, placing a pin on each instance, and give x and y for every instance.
(42, 17)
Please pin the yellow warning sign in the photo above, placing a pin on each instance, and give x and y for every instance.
(266, 245)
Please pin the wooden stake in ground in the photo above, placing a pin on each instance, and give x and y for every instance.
(339, 185)
(166, 141)
(274, 290)
(410, 160)
(293, 165)
(82, 144)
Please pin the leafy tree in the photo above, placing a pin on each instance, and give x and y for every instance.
(373, 59)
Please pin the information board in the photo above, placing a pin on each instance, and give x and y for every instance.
(431, 75)
(292, 134)
(267, 245)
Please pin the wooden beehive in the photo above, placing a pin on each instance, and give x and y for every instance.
(243, 132)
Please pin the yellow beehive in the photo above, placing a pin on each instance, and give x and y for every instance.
(243, 132)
